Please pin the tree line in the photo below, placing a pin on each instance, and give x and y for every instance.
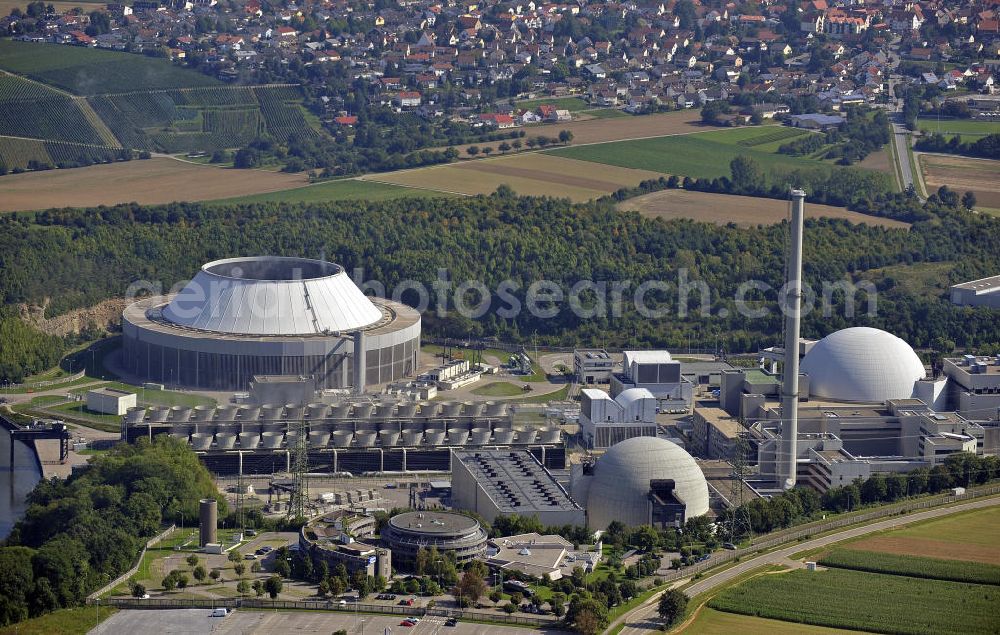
(79, 534)
(987, 147)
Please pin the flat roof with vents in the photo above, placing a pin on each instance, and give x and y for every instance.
(515, 481)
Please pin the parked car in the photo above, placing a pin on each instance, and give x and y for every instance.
(451, 622)
(250, 532)
(219, 613)
(250, 556)
(407, 623)
(729, 545)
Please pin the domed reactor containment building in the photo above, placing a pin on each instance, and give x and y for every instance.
(242, 317)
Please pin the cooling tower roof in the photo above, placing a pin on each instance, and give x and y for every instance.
(862, 364)
(271, 295)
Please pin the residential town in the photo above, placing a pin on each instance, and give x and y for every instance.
(467, 60)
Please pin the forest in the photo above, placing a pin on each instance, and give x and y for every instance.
(81, 533)
(91, 255)
(23, 349)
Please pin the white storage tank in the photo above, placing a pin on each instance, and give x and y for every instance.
(503, 436)
(550, 434)
(434, 436)
(319, 438)
(225, 440)
(412, 437)
(342, 438)
(458, 436)
(365, 438)
(201, 440)
(481, 436)
(388, 438)
(526, 435)
(203, 413)
(271, 439)
(316, 411)
(249, 440)
(135, 415)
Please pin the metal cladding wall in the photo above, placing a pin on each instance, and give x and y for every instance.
(208, 516)
(161, 352)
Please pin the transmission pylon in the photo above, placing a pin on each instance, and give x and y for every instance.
(740, 518)
(300, 466)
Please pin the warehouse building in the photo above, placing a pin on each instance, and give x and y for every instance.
(605, 421)
(245, 317)
(110, 401)
(494, 483)
(406, 534)
(658, 373)
(983, 292)
(592, 366)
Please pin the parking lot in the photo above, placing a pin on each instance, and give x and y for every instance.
(176, 621)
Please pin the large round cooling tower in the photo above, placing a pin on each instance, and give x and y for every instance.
(227, 413)
(365, 438)
(201, 440)
(472, 408)
(412, 437)
(180, 413)
(249, 440)
(254, 428)
(458, 436)
(159, 414)
(622, 476)
(291, 438)
(316, 411)
(503, 436)
(412, 425)
(384, 409)
(429, 409)
(249, 413)
(451, 408)
(342, 438)
(293, 412)
(550, 434)
(225, 428)
(272, 412)
(526, 435)
(203, 413)
(433, 436)
(363, 410)
(180, 434)
(340, 411)
(388, 438)
(862, 364)
(319, 439)
(225, 440)
(271, 440)
(135, 415)
(407, 410)
(481, 436)
(495, 409)
(185, 428)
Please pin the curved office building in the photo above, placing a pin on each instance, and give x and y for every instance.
(407, 533)
(242, 317)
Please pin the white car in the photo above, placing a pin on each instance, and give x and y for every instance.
(219, 613)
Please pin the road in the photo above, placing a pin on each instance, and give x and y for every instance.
(900, 137)
(643, 618)
(189, 621)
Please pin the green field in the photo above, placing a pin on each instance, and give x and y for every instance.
(980, 527)
(703, 155)
(344, 190)
(840, 598)
(75, 621)
(498, 389)
(156, 397)
(712, 622)
(572, 104)
(968, 129)
(913, 566)
(607, 113)
(88, 71)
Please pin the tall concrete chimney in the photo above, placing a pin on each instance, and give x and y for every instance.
(790, 380)
(360, 363)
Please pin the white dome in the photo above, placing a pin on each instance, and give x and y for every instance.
(620, 487)
(272, 296)
(862, 364)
